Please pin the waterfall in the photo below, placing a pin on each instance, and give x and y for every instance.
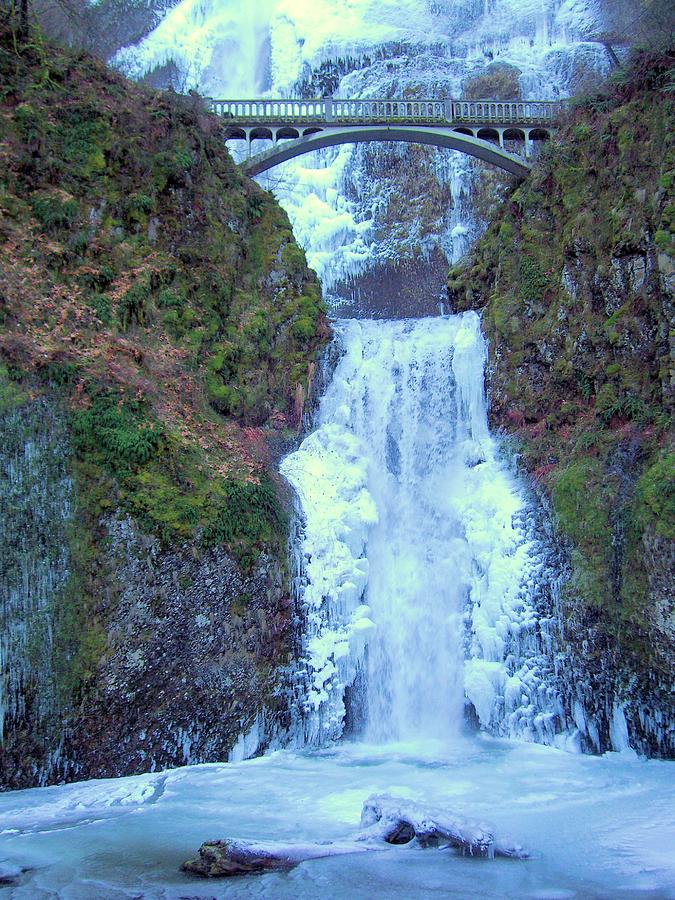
(419, 568)
(344, 206)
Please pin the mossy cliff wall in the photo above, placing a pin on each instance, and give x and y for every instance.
(575, 279)
(158, 334)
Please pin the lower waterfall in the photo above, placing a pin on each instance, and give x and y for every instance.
(420, 572)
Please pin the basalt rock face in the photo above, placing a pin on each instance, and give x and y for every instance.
(192, 652)
(187, 653)
(159, 331)
(575, 278)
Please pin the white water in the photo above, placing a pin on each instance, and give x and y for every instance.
(419, 567)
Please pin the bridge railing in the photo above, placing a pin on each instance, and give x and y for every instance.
(329, 110)
(389, 110)
(271, 110)
(518, 111)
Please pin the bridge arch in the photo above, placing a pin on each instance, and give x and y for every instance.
(236, 134)
(448, 138)
(538, 134)
(257, 134)
(287, 132)
(488, 134)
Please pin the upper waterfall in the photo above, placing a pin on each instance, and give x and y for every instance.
(345, 202)
(417, 562)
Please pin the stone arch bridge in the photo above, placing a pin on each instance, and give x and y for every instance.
(501, 133)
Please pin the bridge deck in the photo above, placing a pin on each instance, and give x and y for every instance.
(470, 126)
(378, 112)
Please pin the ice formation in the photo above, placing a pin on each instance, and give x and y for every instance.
(597, 827)
(416, 546)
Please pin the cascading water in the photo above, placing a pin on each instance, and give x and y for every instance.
(418, 563)
(344, 204)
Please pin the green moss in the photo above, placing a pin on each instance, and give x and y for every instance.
(11, 395)
(117, 432)
(655, 494)
(304, 329)
(663, 239)
(80, 640)
(170, 167)
(506, 232)
(581, 498)
(293, 258)
(159, 505)
(533, 280)
(53, 211)
(223, 397)
(80, 138)
(247, 516)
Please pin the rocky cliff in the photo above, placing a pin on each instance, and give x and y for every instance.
(575, 278)
(158, 331)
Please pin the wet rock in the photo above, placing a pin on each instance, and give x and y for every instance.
(226, 858)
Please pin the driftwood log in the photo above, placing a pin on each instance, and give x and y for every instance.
(385, 820)
(223, 858)
(399, 821)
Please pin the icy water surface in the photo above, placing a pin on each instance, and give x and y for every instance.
(599, 827)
